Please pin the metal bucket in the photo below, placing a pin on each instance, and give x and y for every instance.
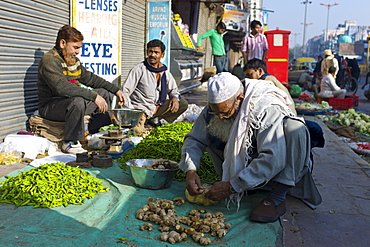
(150, 178)
(124, 117)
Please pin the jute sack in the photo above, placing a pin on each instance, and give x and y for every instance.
(53, 131)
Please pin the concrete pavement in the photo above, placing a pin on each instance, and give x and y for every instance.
(343, 179)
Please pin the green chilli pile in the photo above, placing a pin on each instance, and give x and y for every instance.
(50, 185)
(165, 142)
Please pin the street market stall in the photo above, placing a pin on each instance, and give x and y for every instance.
(110, 218)
(49, 204)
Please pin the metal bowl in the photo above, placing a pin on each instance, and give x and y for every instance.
(124, 116)
(150, 178)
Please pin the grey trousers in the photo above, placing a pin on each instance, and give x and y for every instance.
(72, 111)
(165, 113)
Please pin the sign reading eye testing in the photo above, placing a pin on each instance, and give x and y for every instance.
(100, 23)
(159, 25)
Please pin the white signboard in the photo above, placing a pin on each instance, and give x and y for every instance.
(100, 23)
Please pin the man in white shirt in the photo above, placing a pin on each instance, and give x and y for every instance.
(254, 45)
(329, 88)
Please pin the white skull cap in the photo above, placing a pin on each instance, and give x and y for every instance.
(222, 87)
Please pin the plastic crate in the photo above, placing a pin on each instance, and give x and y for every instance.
(341, 104)
(355, 99)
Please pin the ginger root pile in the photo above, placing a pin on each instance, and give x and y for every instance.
(178, 228)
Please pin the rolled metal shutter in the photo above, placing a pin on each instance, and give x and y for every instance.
(133, 35)
(27, 31)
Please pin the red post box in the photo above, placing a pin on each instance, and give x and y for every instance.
(277, 59)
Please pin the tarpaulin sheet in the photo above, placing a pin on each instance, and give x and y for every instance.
(111, 215)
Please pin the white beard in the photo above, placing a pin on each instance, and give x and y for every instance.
(220, 128)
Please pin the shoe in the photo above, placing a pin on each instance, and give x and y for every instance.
(267, 212)
(73, 148)
(154, 122)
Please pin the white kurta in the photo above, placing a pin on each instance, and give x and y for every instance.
(281, 153)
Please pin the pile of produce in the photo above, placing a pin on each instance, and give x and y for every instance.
(50, 185)
(312, 106)
(306, 97)
(198, 224)
(9, 158)
(165, 142)
(350, 117)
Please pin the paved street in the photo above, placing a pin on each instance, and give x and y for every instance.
(343, 179)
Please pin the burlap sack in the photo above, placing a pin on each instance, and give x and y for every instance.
(53, 131)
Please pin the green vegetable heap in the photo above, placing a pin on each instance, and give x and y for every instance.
(50, 185)
(313, 106)
(350, 117)
(165, 142)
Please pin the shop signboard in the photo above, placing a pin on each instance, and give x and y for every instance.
(100, 23)
(159, 24)
(235, 18)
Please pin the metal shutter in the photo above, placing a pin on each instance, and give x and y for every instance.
(27, 30)
(133, 34)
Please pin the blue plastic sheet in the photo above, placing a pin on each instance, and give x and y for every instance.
(111, 215)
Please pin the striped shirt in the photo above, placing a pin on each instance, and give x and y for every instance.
(254, 45)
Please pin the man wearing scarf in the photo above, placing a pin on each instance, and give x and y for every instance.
(151, 88)
(254, 140)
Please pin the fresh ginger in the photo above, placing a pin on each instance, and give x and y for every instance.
(178, 228)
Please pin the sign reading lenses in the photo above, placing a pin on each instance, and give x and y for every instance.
(100, 24)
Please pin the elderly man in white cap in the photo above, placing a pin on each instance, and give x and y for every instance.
(253, 139)
(329, 61)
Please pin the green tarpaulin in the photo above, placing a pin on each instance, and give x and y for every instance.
(111, 215)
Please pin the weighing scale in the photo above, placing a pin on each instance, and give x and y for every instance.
(122, 118)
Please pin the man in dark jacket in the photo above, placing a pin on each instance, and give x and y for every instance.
(62, 97)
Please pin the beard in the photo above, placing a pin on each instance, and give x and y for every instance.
(220, 128)
(70, 59)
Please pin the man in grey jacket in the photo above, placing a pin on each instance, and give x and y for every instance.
(253, 139)
(151, 88)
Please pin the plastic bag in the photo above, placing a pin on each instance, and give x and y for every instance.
(295, 90)
(9, 154)
(94, 141)
(201, 199)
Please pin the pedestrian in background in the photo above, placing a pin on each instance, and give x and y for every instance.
(329, 88)
(339, 75)
(254, 45)
(216, 37)
(355, 69)
(329, 61)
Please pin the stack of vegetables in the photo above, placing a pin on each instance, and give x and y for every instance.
(50, 185)
(350, 117)
(165, 142)
(306, 97)
(312, 106)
